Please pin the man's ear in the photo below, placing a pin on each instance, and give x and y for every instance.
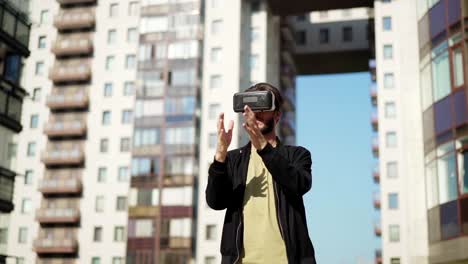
(277, 116)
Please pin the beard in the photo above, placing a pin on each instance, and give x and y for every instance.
(269, 126)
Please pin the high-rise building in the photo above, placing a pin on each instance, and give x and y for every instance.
(14, 37)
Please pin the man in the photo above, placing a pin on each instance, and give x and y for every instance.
(261, 185)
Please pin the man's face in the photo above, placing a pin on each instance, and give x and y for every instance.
(266, 121)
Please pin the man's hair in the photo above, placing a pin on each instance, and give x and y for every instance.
(271, 88)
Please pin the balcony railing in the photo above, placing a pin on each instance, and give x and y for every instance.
(76, 18)
(56, 245)
(373, 94)
(180, 242)
(179, 149)
(377, 229)
(67, 182)
(376, 200)
(75, 44)
(58, 215)
(375, 146)
(378, 256)
(63, 98)
(376, 174)
(72, 2)
(69, 153)
(177, 180)
(67, 128)
(74, 70)
(55, 261)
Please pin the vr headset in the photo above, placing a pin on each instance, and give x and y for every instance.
(258, 101)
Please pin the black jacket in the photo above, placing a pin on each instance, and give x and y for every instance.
(290, 167)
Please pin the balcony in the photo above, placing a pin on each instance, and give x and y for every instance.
(373, 94)
(75, 44)
(177, 180)
(58, 215)
(176, 242)
(65, 181)
(55, 261)
(375, 121)
(75, 97)
(372, 69)
(376, 200)
(375, 146)
(56, 241)
(78, 70)
(377, 229)
(65, 125)
(176, 149)
(64, 153)
(7, 183)
(73, 2)
(75, 18)
(141, 211)
(376, 174)
(378, 256)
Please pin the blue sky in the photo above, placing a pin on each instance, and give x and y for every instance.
(333, 122)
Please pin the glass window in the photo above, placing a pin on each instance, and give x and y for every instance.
(387, 23)
(36, 94)
(44, 18)
(426, 87)
(180, 135)
(216, 26)
(391, 139)
(97, 236)
(23, 235)
(129, 88)
(432, 188)
(102, 174)
(119, 235)
(130, 62)
(12, 150)
(123, 174)
(393, 201)
(463, 171)
(110, 62)
(108, 89)
(113, 10)
(26, 206)
(34, 121)
(183, 77)
(111, 36)
(106, 117)
(464, 214)
(210, 260)
(457, 60)
(117, 260)
(394, 233)
(447, 178)
(388, 51)
(301, 37)
(324, 35)
(394, 260)
(104, 145)
(125, 144)
(31, 149)
(390, 110)
(180, 165)
(449, 216)
(20, 260)
(28, 177)
(254, 34)
(180, 50)
(145, 166)
(215, 55)
(3, 235)
(154, 24)
(210, 232)
(146, 136)
(121, 203)
(133, 8)
(180, 105)
(440, 73)
(96, 260)
(213, 111)
(132, 35)
(347, 34)
(41, 43)
(212, 140)
(99, 205)
(127, 116)
(143, 228)
(39, 68)
(215, 81)
(389, 80)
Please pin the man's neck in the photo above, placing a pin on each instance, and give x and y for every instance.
(271, 138)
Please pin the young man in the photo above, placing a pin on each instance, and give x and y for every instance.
(261, 185)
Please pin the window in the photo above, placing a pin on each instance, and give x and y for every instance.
(440, 72)
(129, 88)
(182, 77)
(392, 169)
(125, 144)
(130, 62)
(132, 35)
(301, 37)
(110, 63)
(3, 235)
(133, 8)
(301, 18)
(180, 135)
(394, 233)
(102, 174)
(28, 177)
(154, 24)
(104, 145)
(347, 34)
(111, 36)
(390, 110)
(389, 80)
(39, 68)
(108, 89)
(12, 149)
(323, 14)
(119, 234)
(121, 203)
(457, 60)
(99, 205)
(255, 6)
(97, 236)
(215, 55)
(390, 139)
(31, 149)
(20, 260)
(41, 43)
(393, 201)
(143, 227)
(26, 206)
(117, 260)
(213, 111)
(181, 50)
(44, 17)
(388, 52)
(212, 140)
(394, 260)
(253, 61)
(146, 136)
(23, 235)
(96, 260)
(36, 94)
(387, 23)
(127, 116)
(210, 232)
(145, 166)
(113, 10)
(215, 81)
(106, 117)
(33, 122)
(210, 260)
(446, 172)
(324, 35)
(216, 26)
(254, 34)
(123, 174)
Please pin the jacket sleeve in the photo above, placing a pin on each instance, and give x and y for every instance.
(219, 188)
(295, 176)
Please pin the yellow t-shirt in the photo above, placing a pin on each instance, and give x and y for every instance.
(263, 243)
